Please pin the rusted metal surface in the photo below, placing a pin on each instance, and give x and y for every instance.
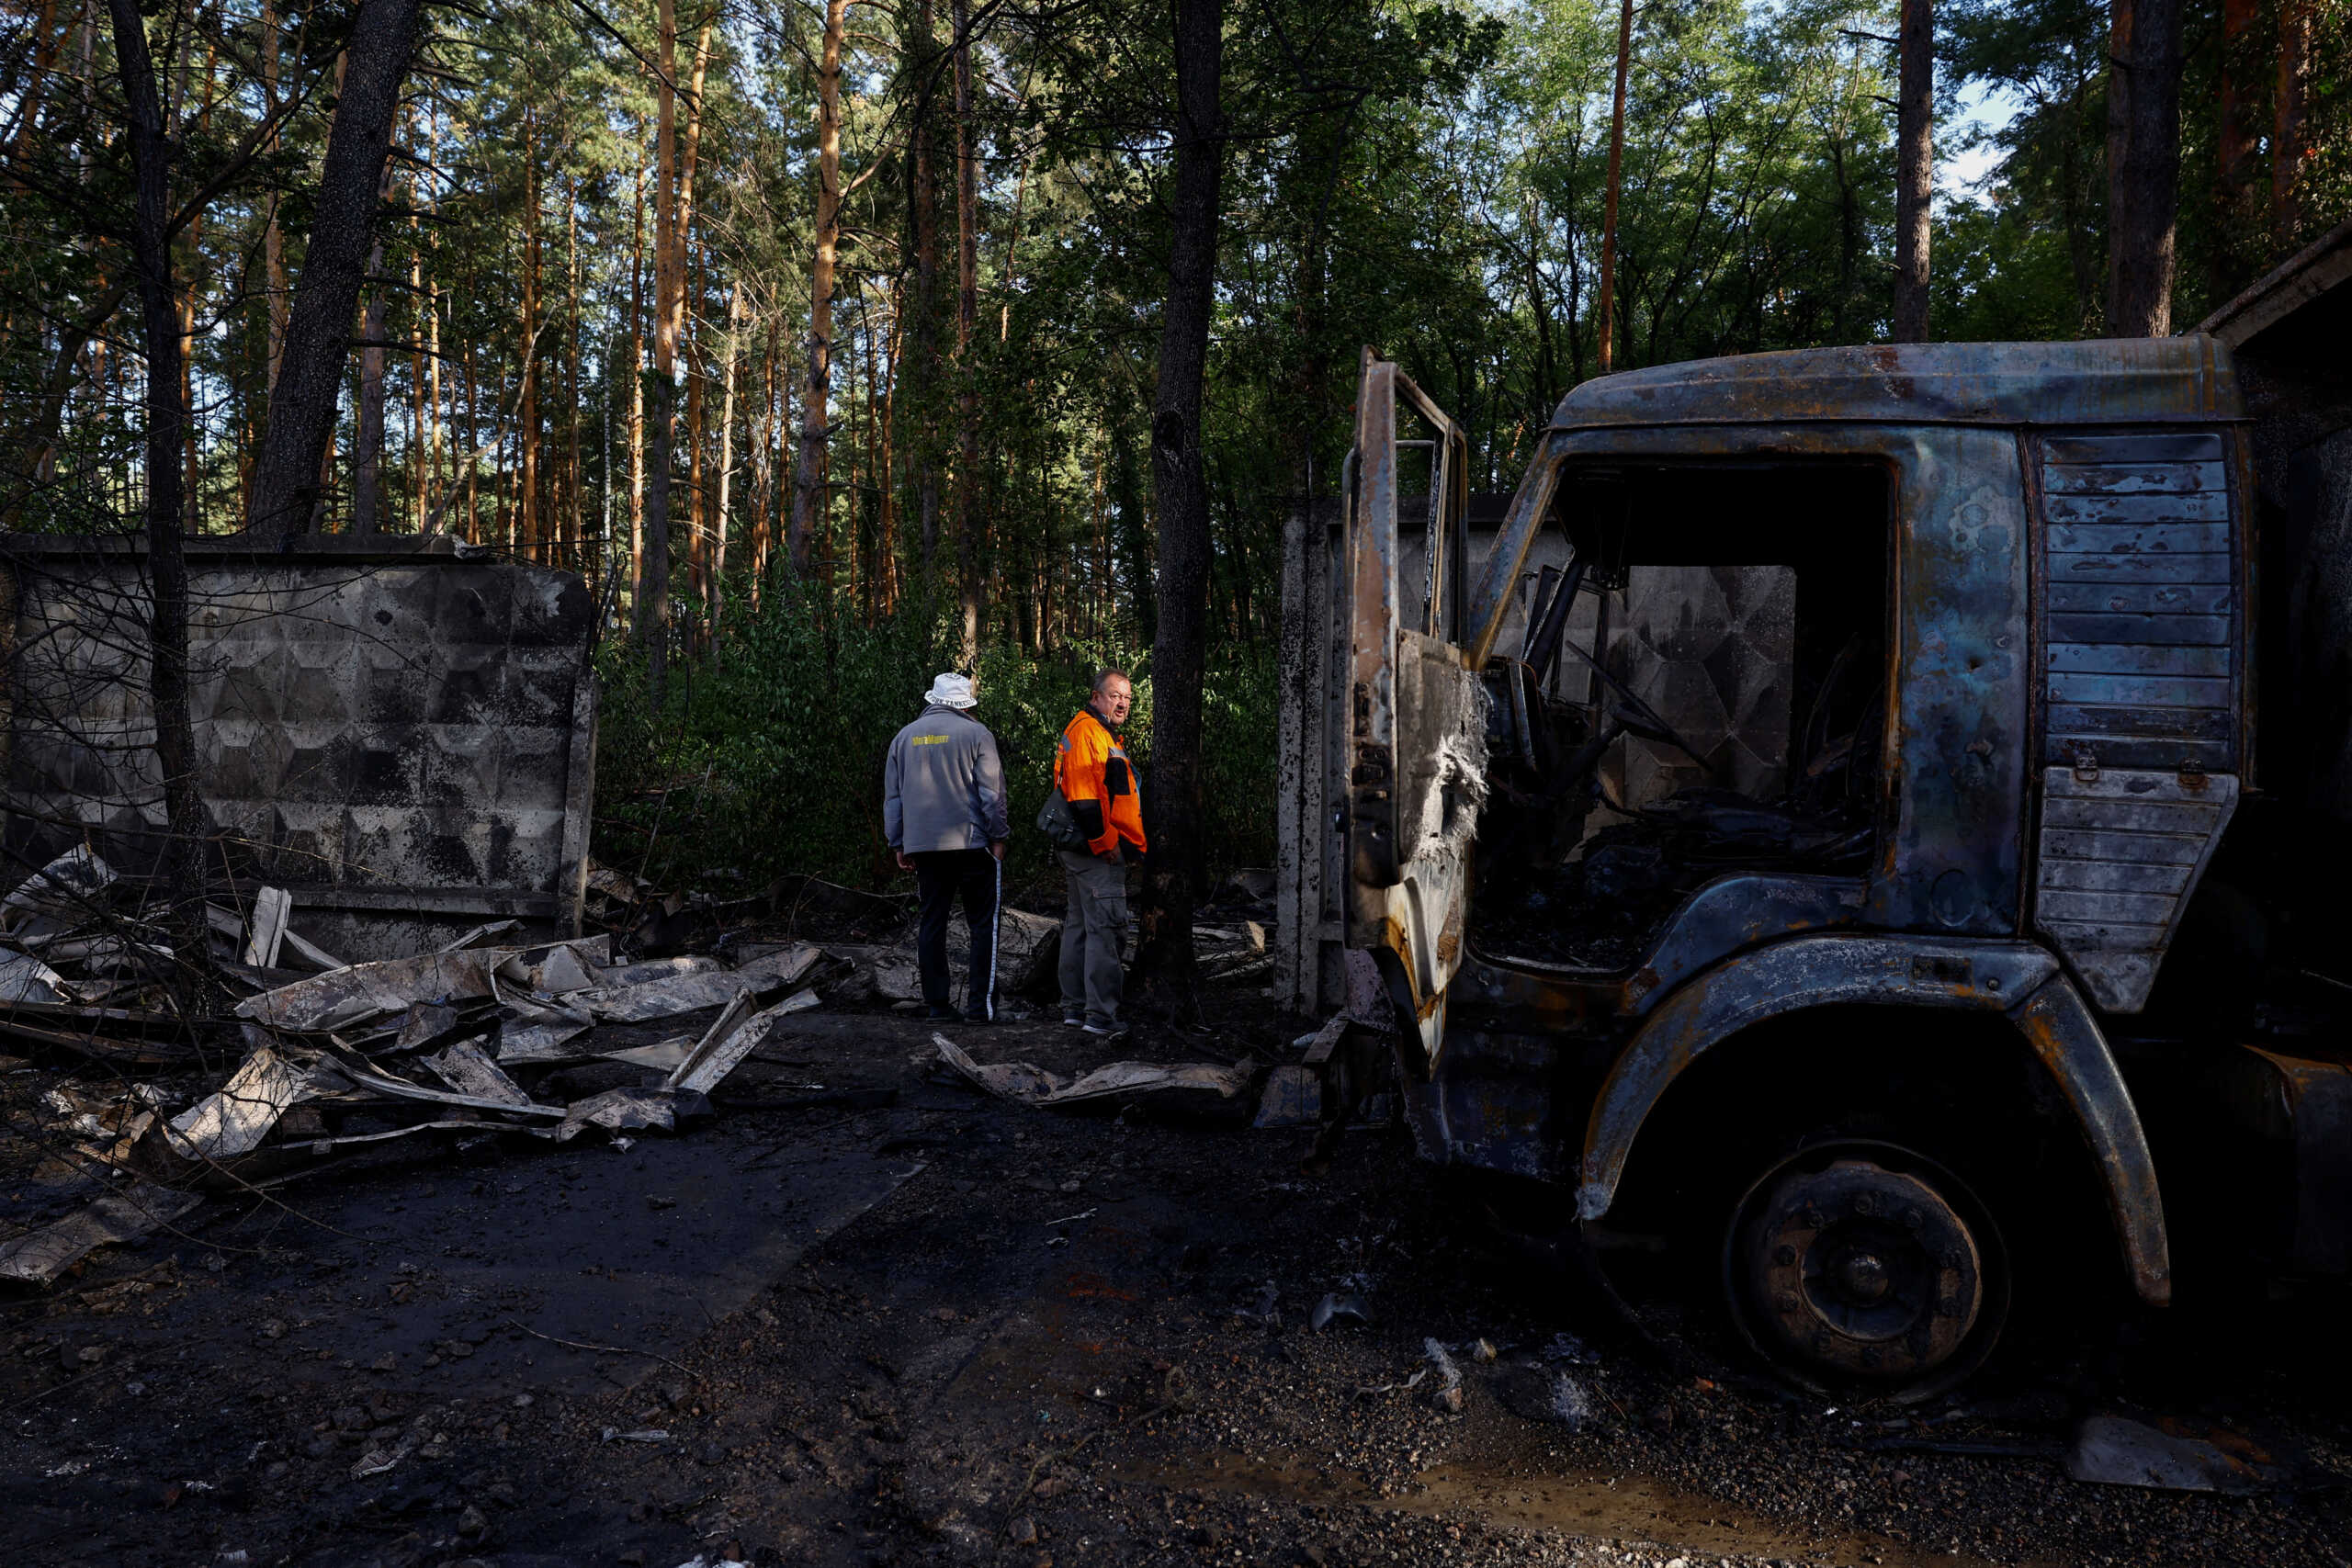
(2116, 381)
(2120, 851)
(1863, 1272)
(1790, 976)
(2140, 609)
(2065, 1037)
(1960, 692)
(1417, 729)
(2303, 1108)
(400, 737)
(1733, 914)
(2067, 702)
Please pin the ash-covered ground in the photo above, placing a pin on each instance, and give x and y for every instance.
(868, 1316)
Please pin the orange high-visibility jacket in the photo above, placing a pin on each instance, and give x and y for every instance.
(1094, 774)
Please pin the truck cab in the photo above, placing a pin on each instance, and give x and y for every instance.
(1779, 868)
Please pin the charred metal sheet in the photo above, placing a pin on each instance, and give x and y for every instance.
(1733, 913)
(2065, 1039)
(1416, 730)
(2140, 601)
(1960, 702)
(1495, 1105)
(1790, 976)
(2120, 381)
(400, 737)
(2121, 852)
(2307, 1106)
(1710, 649)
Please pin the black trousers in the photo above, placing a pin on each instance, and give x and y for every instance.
(940, 876)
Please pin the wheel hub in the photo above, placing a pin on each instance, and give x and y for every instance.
(1857, 1272)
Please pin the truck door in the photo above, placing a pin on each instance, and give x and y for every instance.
(1416, 729)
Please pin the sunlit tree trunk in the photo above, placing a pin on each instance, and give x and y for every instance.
(726, 464)
(1916, 166)
(809, 492)
(1605, 339)
(637, 390)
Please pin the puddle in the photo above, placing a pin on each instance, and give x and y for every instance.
(1589, 1504)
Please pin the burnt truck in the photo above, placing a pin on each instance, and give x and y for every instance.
(1824, 850)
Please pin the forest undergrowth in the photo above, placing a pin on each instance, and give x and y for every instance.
(766, 760)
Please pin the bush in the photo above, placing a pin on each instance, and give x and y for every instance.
(768, 759)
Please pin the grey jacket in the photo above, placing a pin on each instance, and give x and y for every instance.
(943, 787)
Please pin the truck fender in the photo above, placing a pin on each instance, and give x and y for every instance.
(2017, 980)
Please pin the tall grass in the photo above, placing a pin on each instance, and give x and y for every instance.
(768, 759)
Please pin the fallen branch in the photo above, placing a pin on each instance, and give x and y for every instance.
(604, 1350)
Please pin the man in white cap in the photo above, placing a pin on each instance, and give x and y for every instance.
(943, 812)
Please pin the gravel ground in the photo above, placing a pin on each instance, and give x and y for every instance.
(949, 1330)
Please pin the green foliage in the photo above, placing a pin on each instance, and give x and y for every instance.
(770, 761)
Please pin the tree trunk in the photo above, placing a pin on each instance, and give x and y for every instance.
(1605, 342)
(571, 519)
(529, 525)
(809, 474)
(674, 217)
(1915, 167)
(636, 400)
(368, 456)
(725, 464)
(924, 206)
(2236, 139)
(167, 650)
(697, 530)
(317, 331)
(1179, 652)
(272, 243)
(968, 299)
(2142, 165)
(2289, 101)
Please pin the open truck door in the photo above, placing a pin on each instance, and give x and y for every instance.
(1416, 726)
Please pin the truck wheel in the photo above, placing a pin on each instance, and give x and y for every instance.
(1866, 1269)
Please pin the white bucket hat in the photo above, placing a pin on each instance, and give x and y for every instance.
(951, 691)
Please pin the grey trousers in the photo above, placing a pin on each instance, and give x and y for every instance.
(1092, 931)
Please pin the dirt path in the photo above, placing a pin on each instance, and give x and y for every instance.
(946, 1329)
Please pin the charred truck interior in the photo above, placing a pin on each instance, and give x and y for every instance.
(1792, 853)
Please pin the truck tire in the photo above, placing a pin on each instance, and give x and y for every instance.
(1860, 1268)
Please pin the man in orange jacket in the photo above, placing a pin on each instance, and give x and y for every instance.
(1092, 773)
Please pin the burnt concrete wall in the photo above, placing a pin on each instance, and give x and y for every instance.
(404, 738)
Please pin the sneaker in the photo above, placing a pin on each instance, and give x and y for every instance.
(942, 1015)
(980, 1018)
(1075, 1019)
(1107, 1031)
